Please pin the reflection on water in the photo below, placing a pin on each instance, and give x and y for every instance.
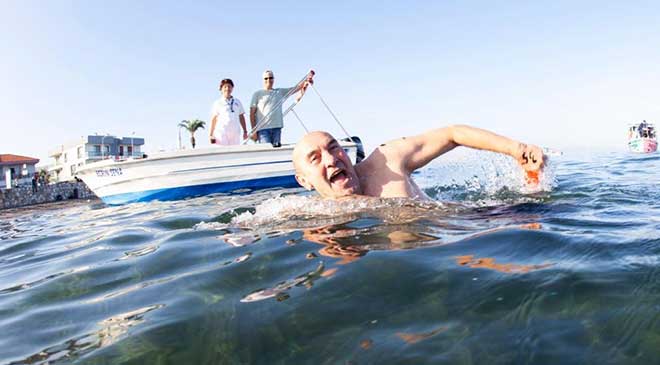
(489, 274)
(279, 291)
(416, 337)
(366, 344)
(110, 330)
(489, 263)
(349, 244)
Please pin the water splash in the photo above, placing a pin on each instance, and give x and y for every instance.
(481, 178)
(463, 181)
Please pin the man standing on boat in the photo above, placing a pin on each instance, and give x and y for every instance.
(226, 115)
(322, 164)
(268, 102)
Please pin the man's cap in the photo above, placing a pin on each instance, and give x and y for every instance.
(268, 73)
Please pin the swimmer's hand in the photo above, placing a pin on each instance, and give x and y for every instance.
(530, 157)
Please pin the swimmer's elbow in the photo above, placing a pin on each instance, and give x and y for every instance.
(454, 132)
(463, 135)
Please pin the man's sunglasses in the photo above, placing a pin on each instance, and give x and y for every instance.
(269, 78)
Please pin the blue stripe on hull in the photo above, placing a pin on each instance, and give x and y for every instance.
(199, 190)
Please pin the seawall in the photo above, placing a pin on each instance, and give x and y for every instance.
(25, 195)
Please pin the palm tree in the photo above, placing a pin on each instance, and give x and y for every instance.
(192, 126)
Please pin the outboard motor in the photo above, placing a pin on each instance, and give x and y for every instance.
(359, 155)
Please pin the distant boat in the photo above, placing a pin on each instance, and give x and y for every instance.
(642, 138)
(188, 173)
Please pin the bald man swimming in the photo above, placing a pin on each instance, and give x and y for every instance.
(321, 164)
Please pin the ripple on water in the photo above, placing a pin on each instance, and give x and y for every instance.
(107, 332)
(488, 273)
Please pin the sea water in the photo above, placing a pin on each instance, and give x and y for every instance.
(489, 271)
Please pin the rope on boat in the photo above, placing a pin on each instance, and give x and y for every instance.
(331, 113)
(293, 90)
(300, 120)
(266, 118)
(290, 108)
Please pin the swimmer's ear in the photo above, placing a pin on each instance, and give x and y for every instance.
(303, 182)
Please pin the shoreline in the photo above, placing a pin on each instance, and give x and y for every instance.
(28, 196)
(48, 206)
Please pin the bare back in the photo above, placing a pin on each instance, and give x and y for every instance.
(383, 174)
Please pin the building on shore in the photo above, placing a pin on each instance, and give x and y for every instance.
(20, 169)
(72, 156)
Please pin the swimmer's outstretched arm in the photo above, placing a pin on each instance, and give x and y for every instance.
(415, 152)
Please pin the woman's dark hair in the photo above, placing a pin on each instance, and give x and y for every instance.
(226, 81)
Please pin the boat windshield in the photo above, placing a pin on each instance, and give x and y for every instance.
(642, 130)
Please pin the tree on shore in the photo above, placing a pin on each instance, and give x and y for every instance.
(44, 175)
(192, 126)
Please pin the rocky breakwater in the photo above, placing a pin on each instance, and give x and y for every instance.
(27, 195)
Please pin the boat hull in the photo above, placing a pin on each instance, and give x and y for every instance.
(643, 145)
(182, 174)
(183, 192)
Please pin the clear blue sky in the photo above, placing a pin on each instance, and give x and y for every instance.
(555, 73)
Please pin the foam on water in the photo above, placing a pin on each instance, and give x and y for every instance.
(467, 179)
(457, 184)
(297, 207)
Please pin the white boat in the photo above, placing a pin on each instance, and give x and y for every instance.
(188, 173)
(218, 169)
(642, 138)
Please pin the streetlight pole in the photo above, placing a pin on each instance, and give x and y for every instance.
(132, 136)
(102, 145)
(102, 149)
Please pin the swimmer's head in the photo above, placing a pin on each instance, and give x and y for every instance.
(323, 165)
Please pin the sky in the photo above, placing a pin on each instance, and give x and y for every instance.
(560, 74)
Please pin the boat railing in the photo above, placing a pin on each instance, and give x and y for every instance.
(641, 131)
(106, 156)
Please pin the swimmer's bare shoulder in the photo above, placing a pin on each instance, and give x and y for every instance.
(407, 154)
(389, 155)
(386, 172)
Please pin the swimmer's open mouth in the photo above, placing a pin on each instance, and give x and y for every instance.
(338, 175)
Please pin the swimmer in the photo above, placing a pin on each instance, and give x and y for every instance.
(322, 165)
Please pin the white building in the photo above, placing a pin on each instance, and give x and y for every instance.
(71, 156)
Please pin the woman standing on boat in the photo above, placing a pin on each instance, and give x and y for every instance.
(226, 115)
